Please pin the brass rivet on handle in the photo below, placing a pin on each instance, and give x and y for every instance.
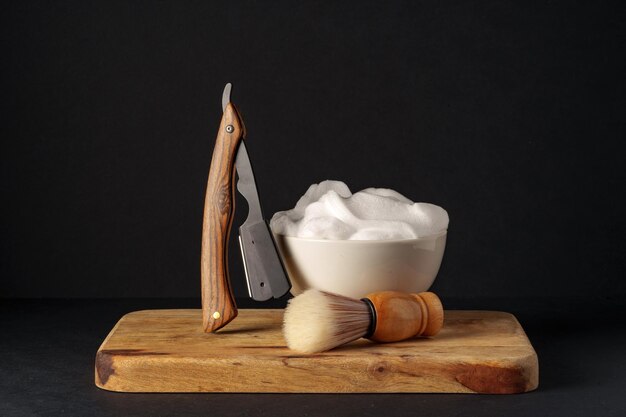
(217, 315)
(230, 129)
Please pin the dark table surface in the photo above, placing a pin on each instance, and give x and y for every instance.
(48, 346)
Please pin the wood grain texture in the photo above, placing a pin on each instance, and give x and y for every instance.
(218, 303)
(401, 315)
(167, 351)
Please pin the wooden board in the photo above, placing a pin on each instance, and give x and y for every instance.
(167, 351)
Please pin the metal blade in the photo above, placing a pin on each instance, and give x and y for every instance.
(265, 273)
(226, 95)
(247, 185)
(264, 270)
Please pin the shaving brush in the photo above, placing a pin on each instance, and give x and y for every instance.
(316, 321)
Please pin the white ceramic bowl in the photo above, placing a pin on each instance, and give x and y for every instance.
(355, 268)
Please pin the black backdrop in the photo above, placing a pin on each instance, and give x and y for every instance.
(508, 114)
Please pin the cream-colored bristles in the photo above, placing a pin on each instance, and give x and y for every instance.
(316, 321)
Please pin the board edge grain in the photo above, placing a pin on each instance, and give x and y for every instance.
(514, 374)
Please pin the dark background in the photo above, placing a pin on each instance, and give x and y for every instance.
(510, 115)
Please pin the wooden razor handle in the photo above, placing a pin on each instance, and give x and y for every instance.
(401, 315)
(218, 303)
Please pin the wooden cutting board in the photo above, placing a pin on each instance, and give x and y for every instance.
(167, 351)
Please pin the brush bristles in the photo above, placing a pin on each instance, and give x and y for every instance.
(316, 321)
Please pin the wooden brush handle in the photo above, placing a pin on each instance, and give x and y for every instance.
(218, 303)
(401, 315)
